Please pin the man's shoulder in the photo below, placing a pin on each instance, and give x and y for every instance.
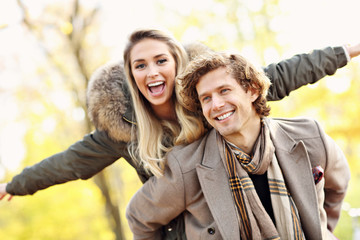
(297, 128)
(294, 120)
(290, 131)
(189, 155)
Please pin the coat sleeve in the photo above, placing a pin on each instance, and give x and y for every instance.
(290, 74)
(337, 177)
(156, 203)
(81, 160)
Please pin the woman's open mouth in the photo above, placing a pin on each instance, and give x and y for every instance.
(156, 87)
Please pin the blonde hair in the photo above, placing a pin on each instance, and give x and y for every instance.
(154, 137)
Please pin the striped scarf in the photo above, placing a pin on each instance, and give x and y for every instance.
(254, 222)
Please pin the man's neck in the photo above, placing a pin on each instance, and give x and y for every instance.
(247, 138)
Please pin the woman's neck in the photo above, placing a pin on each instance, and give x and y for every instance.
(165, 111)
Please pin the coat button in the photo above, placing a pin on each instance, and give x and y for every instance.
(211, 231)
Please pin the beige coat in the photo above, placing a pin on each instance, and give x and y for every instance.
(196, 183)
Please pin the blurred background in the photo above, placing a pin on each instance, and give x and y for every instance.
(49, 49)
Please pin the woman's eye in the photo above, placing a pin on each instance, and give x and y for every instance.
(140, 66)
(161, 61)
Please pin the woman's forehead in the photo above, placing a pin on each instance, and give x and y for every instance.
(149, 48)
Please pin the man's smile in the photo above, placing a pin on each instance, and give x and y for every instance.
(224, 116)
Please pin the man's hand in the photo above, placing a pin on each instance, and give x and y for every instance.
(3, 192)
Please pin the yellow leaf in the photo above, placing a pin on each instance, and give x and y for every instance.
(66, 28)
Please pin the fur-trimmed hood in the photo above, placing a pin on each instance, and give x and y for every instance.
(109, 102)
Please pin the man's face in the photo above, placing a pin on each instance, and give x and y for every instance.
(226, 105)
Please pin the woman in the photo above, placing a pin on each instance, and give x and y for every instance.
(152, 62)
(152, 91)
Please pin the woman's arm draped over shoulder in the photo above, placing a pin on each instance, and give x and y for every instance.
(81, 160)
(290, 74)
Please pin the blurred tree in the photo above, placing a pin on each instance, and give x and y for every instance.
(62, 33)
(240, 25)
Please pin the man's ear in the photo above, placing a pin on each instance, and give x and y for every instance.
(254, 94)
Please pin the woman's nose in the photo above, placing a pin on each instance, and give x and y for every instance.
(153, 71)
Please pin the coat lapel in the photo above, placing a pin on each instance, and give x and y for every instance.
(215, 186)
(296, 167)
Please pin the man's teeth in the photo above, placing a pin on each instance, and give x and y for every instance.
(155, 84)
(225, 116)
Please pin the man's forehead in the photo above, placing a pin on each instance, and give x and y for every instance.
(215, 79)
(213, 74)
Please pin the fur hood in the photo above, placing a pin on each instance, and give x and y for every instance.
(109, 102)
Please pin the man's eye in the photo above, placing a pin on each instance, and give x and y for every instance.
(205, 99)
(161, 61)
(140, 66)
(224, 90)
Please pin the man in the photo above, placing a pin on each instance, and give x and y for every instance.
(250, 177)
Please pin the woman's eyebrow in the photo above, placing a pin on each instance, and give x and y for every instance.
(156, 56)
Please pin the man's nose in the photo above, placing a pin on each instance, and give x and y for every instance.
(217, 102)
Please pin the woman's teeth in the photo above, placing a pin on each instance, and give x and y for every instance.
(155, 84)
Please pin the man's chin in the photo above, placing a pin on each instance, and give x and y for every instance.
(224, 132)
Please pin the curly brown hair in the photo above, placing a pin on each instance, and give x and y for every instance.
(241, 69)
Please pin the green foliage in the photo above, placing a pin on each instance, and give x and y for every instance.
(64, 212)
(68, 212)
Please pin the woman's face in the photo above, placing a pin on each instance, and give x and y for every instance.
(154, 70)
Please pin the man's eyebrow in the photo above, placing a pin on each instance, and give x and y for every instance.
(219, 87)
(201, 95)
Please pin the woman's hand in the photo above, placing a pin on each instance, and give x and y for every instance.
(353, 50)
(3, 192)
